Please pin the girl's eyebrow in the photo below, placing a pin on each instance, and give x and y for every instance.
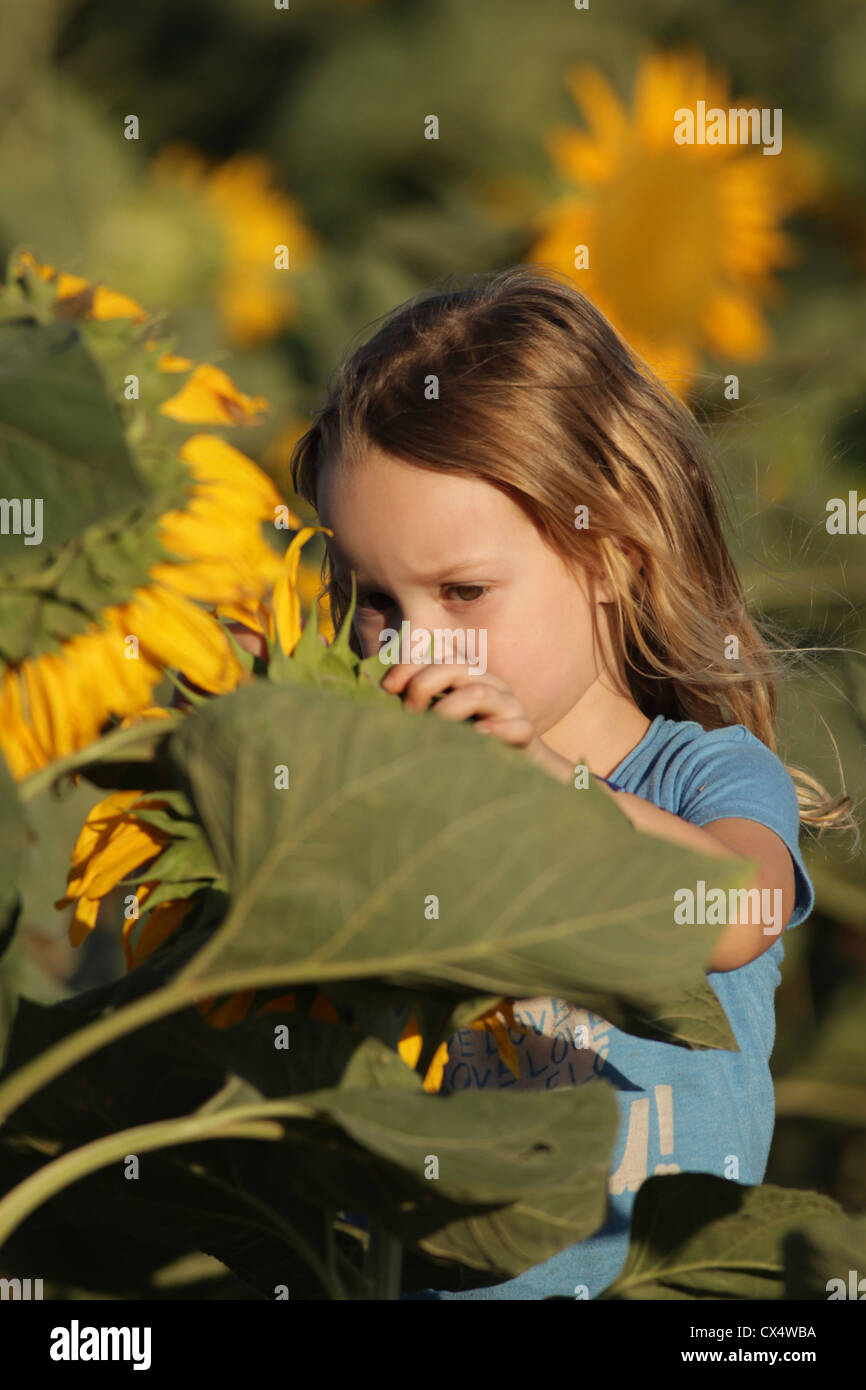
(449, 571)
(438, 575)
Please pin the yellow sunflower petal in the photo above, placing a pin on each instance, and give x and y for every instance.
(495, 1021)
(170, 362)
(409, 1043)
(734, 327)
(600, 106)
(177, 634)
(110, 304)
(212, 459)
(142, 892)
(436, 1069)
(83, 922)
(232, 1010)
(45, 272)
(128, 845)
(99, 820)
(286, 601)
(20, 746)
(282, 1002)
(210, 397)
(323, 1009)
(162, 922)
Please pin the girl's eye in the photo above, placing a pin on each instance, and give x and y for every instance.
(374, 601)
(479, 590)
(467, 593)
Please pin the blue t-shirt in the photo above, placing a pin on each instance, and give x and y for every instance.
(705, 1111)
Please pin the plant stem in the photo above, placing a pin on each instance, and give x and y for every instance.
(243, 1122)
(384, 1264)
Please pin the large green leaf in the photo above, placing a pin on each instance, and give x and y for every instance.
(540, 889)
(107, 1234)
(825, 1248)
(520, 1176)
(694, 1235)
(74, 1238)
(162, 1071)
(319, 1056)
(516, 1183)
(552, 1192)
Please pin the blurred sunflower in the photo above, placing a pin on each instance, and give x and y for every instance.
(255, 298)
(57, 702)
(209, 396)
(495, 1021)
(681, 239)
(80, 297)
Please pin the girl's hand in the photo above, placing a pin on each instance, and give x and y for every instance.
(485, 699)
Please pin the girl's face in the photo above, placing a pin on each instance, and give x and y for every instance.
(445, 551)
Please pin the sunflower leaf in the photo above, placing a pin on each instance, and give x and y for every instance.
(19, 614)
(172, 825)
(137, 746)
(695, 1235)
(181, 861)
(171, 890)
(61, 440)
(383, 810)
(822, 1249)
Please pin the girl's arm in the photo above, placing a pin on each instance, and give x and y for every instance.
(733, 837)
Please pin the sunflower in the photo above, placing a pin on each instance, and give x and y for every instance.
(114, 842)
(682, 240)
(85, 300)
(55, 703)
(254, 294)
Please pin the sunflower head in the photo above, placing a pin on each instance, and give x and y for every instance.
(675, 243)
(146, 556)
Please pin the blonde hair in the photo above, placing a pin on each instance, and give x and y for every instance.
(540, 397)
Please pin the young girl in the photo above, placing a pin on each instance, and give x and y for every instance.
(495, 460)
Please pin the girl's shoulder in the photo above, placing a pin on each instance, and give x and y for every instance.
(705, 775)
(675, 752)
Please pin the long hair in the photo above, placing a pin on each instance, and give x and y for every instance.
(514, 377)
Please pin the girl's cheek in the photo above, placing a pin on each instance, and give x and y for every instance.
(251, 641)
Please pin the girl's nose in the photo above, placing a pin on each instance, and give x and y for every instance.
(421, 619)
